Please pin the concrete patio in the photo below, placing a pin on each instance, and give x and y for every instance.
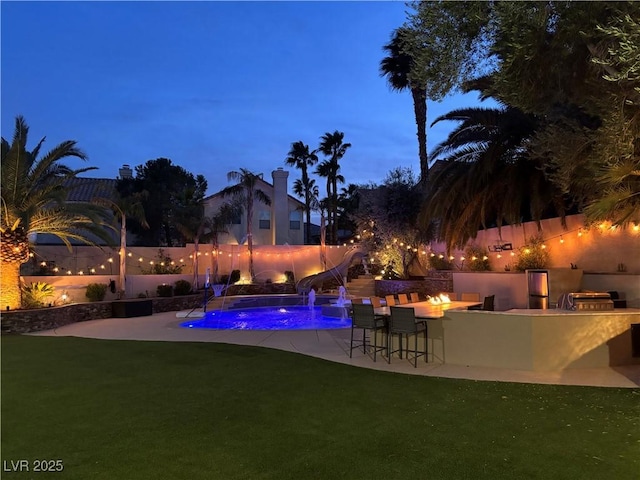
(332, 345)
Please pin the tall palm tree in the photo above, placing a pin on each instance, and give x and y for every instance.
(192, 225)
(332, 146)
(300, 157)
(217, 224)
(34, 201)
(396, 67)
(246, 190)
(130, 206)
(488, 177)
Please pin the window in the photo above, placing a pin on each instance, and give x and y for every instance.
(236, 220)
(264, 220)
(295, 220)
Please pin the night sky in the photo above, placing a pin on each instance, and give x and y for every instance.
(214, 86)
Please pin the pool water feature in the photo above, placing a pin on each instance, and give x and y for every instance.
(269, 318)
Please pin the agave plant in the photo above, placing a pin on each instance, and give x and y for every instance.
(34, 193)
(36, 294)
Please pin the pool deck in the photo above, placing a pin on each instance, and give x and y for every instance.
(332, 345)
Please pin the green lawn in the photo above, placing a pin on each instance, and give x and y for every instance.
(122, 410)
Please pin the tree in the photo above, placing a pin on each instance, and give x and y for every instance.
(34, 201)
(348, 201)
(332, 146)
(125, 206)
(246, 191)
(166, 185)
(301, 158)
(217, 224)
(488, 177)
(386, 221)
(573, 64)
(397, 68)
(438, 49)
(192, 224)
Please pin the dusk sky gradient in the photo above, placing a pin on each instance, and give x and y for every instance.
(213, 86)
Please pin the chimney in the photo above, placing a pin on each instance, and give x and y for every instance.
(280, 207)
(125, 171)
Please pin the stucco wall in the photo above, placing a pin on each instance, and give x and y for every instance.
(270, 261)
(598, 249)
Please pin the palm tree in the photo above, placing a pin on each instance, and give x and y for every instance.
(396, 67)
(218, 223)
(34, 201)
(246, 191)
(300, 157)
(125, 206)
(192, 224)
(332, 146)
(488, 176)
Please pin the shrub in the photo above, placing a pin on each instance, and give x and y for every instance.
(477, 258)
(440, 262)
(389, 272)
(235, 276)
(162, 265)
(36, 294)
(96, 291)
(290, 276)
(182, 287)
(230, 279)
(165, 290)
(532, 255)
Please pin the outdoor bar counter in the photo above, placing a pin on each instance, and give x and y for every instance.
(538, 340)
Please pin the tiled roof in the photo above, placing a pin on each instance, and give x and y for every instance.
(86, 189)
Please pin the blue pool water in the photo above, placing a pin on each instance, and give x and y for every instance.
(269, 318)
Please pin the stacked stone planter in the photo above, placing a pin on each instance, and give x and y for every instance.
(436, 282)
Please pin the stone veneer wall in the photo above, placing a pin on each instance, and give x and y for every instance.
(260, 289)
(37, 319)
(436, 282)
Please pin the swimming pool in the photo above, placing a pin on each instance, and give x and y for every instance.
(269, 318)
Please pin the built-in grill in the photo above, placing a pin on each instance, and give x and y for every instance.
(590, 301)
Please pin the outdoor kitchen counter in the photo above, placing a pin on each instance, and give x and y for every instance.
(539, 340)
(556, 311)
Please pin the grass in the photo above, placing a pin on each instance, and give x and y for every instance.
(150, 410)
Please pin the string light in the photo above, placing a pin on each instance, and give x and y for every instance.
(88, 269)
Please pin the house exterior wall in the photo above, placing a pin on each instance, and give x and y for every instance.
(278, 213)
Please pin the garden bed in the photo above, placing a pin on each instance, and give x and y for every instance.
(38, 319)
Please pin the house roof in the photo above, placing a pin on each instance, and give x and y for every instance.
(86, 189)
(267, 184)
